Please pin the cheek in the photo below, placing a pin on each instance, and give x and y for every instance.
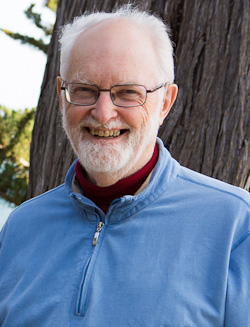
(74, 114)
(135, 117)
(146, 114)
(139, 117)
(150, 112)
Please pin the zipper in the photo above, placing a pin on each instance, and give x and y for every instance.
(81, 301)
(97, 233)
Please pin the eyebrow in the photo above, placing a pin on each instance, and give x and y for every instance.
(80, 78)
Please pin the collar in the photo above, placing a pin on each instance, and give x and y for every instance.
(132, 185)
(162, 179)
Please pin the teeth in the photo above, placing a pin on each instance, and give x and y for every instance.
(106, 133)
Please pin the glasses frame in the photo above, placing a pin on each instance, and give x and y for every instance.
(67, 95)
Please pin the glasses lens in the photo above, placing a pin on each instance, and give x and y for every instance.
(81, 94)
(128, 95)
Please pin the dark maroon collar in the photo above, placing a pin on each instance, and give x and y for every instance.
(103, 196)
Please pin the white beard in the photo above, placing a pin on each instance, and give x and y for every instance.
(111, 159)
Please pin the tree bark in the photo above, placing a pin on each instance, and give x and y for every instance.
(208, 129)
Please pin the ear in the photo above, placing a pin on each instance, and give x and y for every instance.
(59, 91)
(168, 101)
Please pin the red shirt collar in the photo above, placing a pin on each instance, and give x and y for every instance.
(103, 196)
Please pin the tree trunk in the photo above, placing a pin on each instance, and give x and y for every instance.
(208, 129)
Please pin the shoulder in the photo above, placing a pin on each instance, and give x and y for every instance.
(38, 208)
(42, 215)
(221, 204)
(209, 185)
(53, 195)
(185, 181)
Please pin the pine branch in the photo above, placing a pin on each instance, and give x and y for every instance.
(27, 40)
(37, 20)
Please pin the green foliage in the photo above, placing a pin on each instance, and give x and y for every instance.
(37, 20)
(15, 137)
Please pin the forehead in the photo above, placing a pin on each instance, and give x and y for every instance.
(118, 50)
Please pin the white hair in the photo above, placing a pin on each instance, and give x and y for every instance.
(158, 31)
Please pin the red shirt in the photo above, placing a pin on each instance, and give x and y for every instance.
(103, 196)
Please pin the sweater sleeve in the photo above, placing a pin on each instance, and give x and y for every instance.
(238, 289)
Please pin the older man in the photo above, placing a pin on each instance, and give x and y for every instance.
(131, 238)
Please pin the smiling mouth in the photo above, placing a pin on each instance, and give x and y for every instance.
(106, 133)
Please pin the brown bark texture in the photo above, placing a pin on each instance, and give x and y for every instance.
(208, 129)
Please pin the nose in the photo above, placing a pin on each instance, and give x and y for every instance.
(104, 109)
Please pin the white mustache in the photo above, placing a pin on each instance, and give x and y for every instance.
(91, 122)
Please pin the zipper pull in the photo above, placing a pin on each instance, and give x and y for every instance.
(97, 233)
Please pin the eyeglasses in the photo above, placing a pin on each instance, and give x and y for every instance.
(128, 95)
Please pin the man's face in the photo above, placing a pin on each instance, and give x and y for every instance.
(106, 55)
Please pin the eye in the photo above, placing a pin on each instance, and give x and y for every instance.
(83, 91)
(128, 93)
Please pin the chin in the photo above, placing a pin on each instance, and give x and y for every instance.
(114, 158)
(106, 158)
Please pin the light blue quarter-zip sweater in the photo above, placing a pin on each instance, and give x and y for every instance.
(175, 255)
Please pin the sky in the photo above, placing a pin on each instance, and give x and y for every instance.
(21, 66)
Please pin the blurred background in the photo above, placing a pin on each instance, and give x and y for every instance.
(25, 32)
